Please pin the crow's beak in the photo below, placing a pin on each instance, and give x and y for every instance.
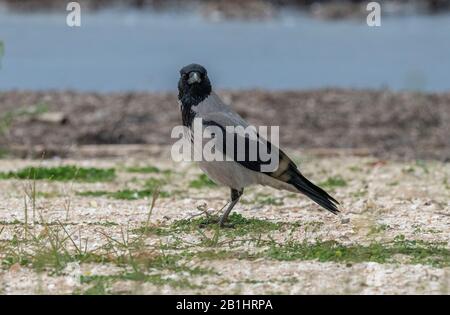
(194, 77)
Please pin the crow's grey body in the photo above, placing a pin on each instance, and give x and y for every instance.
(230, 173)
(197, 100)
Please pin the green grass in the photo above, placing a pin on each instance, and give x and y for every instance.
(271, 201)
(313, 226)
(14, 222)
(128, 194)
(263, 199)
(49, 253)
(417, 252)
(146, 170)
(45, 253)
(150, 186)
(446, 184)
(333, 182)
(93, 193)
(423, 165)
(103, 223)
(408, 170)
(100, 282)
(359, 193)
(47, 195)
(99, 287)
(62, 173)
(157, 264)
(223, 254)
(154, 183)
(49, 248)
(240, 226)
(414, 251)
(379, 228)
(124, 194)
(202, 181)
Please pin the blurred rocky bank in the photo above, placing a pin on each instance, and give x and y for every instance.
(386, 124)
(248, 9)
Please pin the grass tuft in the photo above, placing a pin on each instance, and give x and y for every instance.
(149, 189)
(333, 182)
(129, 194)
(62, 173)
(143, 170)
(263, 199)
(124, 194)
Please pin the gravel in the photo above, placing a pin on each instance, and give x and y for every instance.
(381, 200)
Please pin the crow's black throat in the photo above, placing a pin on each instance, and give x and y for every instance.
(190, 95)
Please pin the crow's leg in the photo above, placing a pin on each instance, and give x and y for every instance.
(235, 195)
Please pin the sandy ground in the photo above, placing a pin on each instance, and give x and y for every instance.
(381, 200)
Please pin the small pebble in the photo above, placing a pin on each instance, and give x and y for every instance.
(15, 267)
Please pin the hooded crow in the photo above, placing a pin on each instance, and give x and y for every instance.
(197, 100)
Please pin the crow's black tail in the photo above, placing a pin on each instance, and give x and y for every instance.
(317, 194)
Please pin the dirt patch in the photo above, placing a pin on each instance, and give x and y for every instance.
(383, 123)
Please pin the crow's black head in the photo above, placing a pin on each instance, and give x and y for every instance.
(194, 85)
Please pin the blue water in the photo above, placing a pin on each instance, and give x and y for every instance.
(131, 50)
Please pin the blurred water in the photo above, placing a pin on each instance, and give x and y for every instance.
(133, 50)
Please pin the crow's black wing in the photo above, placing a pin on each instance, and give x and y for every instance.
(285, 170)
